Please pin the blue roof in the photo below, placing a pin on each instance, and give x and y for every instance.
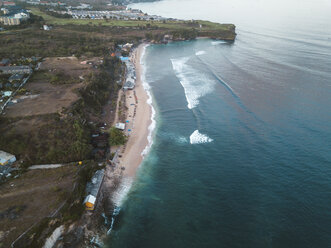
(124, 58)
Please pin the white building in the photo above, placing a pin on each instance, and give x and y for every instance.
(89, 202)
(46, 27)
(6, 158)
(120, 126)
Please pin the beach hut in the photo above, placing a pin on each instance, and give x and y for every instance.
(120, 126)
(89, 202)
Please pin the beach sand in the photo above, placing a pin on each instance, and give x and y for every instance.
(139, 117)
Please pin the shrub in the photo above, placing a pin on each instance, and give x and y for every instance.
(116, 137)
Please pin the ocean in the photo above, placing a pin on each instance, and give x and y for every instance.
(241, 153)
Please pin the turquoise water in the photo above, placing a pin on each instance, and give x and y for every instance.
(241, 154)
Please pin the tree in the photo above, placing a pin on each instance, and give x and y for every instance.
(116, 137)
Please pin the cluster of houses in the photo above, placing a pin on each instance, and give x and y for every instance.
(126, 14)
(6, 160)
(46, 3)
(130, 81)
(12, 14)
(13, 76)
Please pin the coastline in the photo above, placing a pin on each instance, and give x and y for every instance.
(119, 177)
(139, 117)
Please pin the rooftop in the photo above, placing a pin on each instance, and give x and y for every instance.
(5, 157)
(93, 187)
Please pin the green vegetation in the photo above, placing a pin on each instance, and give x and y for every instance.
(74, 207)
(56, 141)
(201, 28)
(56, 79)
(22, 91)
(65, 136)
(70, 212)
(116, 137)
(100, 88)
(61, 138)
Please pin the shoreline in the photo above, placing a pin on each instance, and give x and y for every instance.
(139, 117)
(119, 177)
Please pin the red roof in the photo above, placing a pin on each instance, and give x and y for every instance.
(8, 3)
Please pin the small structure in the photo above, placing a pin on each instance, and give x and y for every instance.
(123, 59)
(16, 77)
(92, 189)
(4, 62)
(127, 47)
(7, 93)
(120, 126)
(15, 69)
(15, 17)
(129, 85)
(6, 158)
(47, 28)
(89, 202)
(7, 4)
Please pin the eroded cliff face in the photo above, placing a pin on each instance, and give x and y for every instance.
(228, 33)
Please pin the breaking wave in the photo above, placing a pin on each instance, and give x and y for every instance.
(174, 137)
(215, 43)
(118, 198)
(122, 190)
(200, 53)
(125, 185)
(147, 88)
(194, 82)
(199, 138)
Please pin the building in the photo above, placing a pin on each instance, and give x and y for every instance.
(14, 17)
(46, 27)
(4, 62)
(129, 85)
(15, 69)
(120, 126)
(89, 202)
(16, 77)
(7, 4)
(7, 93)
(6, 158)
(92, 190)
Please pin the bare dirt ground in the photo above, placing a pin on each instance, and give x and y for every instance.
(46, 98)
(31, 197)
(51, 99)
(69, 65)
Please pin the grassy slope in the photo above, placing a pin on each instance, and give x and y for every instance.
(174, 25)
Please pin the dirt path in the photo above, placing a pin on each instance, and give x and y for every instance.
(45, 166)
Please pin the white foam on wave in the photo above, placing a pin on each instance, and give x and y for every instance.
(118, 197)
(200, 53)
(126, 183)
(122, 191)
(215, 43)
(199, 138)
(195, 83)
(147, 88)
(174, 137)
(181, 140)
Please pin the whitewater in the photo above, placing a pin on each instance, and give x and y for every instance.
(240, 153)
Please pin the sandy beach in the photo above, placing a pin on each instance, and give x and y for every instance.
(138, 116)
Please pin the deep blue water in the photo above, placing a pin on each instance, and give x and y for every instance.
(241, 154)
